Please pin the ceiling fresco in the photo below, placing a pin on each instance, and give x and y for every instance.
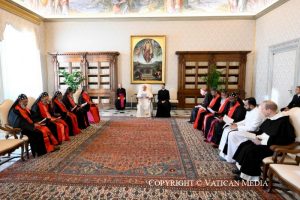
(143, 8)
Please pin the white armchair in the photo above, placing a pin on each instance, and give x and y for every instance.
(31, 101)
(294, 114)
(173, 96)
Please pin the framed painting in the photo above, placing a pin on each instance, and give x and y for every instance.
(148, 59)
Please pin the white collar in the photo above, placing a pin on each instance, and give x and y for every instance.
(277, 116)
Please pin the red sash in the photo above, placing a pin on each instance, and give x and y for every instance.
(72, 102)
(44, 110)
(232, 109)
(49, 139)
(222, 107)
(213, 101)
(201, 110)
(60, 105)
(25, 113)
(86, 98)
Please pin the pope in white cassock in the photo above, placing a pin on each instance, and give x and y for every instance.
(144, 106)
(237, 133)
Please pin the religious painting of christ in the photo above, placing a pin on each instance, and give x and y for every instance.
(148, 59)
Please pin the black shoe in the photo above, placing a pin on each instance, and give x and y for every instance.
(237, 178)
(190, 122)
(236, 171)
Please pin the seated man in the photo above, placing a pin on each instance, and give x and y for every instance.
(41, 110)
(236, 112)
(213, 117)
(211, 108)
(235, 134)
(93, 113)
(163, 104)
(41, 139)
(207, 98)
(79, 111)
(276, 130)
(121, 98)
(295, 101)
(59, 109)
(144, 106)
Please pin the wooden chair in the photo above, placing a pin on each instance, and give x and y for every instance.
(289, 175)
(15, 133)
(294, 115)
(7, 146)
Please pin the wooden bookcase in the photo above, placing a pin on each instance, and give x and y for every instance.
(98, 68)
(193, 67)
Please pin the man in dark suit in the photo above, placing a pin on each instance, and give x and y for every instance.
(295, 101)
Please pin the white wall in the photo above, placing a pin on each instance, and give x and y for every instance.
(206, 35)
(280, 25)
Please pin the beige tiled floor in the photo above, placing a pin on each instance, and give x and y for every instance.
(132, 112)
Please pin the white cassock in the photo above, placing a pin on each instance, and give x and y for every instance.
(233, 138)
(144, 106)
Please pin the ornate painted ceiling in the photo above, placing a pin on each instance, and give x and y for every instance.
(144, 8)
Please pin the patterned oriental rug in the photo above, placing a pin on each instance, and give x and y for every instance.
(129, 158)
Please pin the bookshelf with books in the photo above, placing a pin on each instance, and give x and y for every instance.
(194, 66)
(98, 68)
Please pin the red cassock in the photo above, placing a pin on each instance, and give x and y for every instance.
(93, 114)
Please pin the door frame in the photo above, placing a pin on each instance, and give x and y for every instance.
(291, 45)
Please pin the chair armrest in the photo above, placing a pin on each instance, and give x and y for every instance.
(11, 131)
(290, 146)
(280, 154)
(291, 151)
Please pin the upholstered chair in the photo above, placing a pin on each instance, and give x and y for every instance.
(14, 139)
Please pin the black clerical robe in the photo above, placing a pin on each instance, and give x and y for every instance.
(238, 114)
(121, 99)
(207, 99)
(163, 104)
(295, 102)
(80, 112)
(250, 155)
(210, 118)
(36, 140)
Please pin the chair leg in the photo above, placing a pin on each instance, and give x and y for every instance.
(265, 171)
(22, 152)
(27, 149)
(270, 181)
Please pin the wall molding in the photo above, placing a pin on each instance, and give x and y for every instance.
(292, 45)
(20, 11)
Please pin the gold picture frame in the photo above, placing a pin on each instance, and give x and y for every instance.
(148, 59)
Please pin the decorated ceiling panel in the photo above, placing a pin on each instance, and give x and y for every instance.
(144, 8)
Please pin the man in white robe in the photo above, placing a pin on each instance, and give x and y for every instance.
(144, 106)
(237, 133)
